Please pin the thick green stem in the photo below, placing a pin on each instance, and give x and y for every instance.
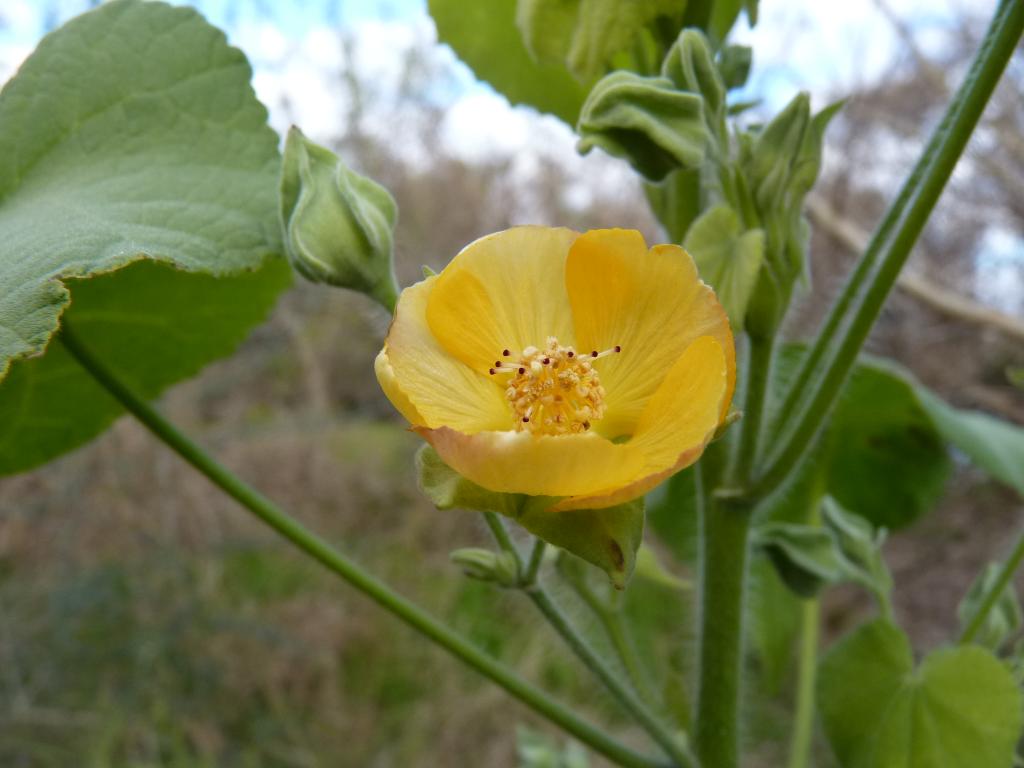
(1005, 574)
(803, 719)
(586, 654)
(337, 563)
(725, 526)
(758, 367)
(891, 245)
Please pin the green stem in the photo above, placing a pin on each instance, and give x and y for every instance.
(724, 531)
(759, 364)
(586, 654)
(500, 534)
(1008, 569)
(803, 722)
(334, 561)
(533, 567)
(610, 618)
(893, 244)
(725, 527)
(615, 629)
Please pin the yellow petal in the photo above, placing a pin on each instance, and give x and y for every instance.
(651, 303)
(675, 426)
(520, 462)
(388, 383)
(504, 291)
(440, 389)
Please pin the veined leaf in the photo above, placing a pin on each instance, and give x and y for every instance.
(484, 35)
(960, 707)
(130, 133)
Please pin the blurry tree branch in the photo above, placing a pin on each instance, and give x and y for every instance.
(851, 236)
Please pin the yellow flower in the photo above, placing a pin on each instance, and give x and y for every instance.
(551, 363)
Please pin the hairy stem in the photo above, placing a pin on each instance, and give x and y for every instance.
(580, 647)
(725, 527)
(992, 597)
(880, 265)
(586, 654)
(318, 549)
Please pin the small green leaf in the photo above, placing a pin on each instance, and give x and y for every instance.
(734, 62)
(861, 548)
(691, 67)
(1003, 620)
(960, 707)
(646, 121)
(608, 538)
(727, 259)
(484, 36)
(806, 557)
(130, 133)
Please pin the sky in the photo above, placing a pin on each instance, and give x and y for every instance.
(827, 48)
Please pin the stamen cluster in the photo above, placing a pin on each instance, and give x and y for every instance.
(554, 390)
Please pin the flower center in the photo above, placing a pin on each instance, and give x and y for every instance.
(553, 391)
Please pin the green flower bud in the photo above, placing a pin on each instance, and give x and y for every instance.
(775, 153)
(485, 565)
(338, 226)
(645, 120)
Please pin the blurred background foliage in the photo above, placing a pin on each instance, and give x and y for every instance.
(145, 621)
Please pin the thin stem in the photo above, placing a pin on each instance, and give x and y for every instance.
(500, 533)
(618, 634)
(334, 561)
(533, 567)
(994, 593)
(909, 214)
(725, 526)
(586, 654)
(803, 722)
(610, 618)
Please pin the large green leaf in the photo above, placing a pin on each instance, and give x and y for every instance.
(132, 132)
(887, 461)
(484, 35)
(960, 707)
(881, 455)
(993, 445)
